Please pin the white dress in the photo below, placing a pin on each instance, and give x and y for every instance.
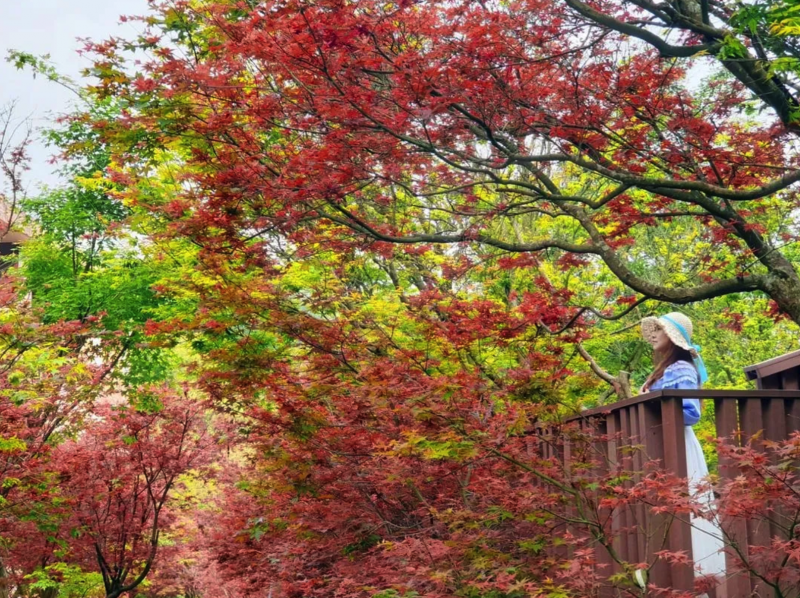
(707, 543)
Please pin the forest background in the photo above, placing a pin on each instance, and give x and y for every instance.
(316, 270)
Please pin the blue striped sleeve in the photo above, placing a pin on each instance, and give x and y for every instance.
(683, 375)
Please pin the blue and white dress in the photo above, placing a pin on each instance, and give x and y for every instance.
(707, 544)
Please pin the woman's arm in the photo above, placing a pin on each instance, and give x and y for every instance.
(691, 411)
(683, 376)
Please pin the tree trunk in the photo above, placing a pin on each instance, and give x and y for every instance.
(784, 288)
(4, 582)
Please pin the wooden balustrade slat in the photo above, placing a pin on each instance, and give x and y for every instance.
(639, 460)
(617, 521)
(774, 419)
(545, 446)
(792, 416)
(735, 531)
(657, 525)
(775, 430)
(674, 449)
(600, 446)
(627, 515)
(751, 421)
(680, 537)
(563, 447)
(791, 381)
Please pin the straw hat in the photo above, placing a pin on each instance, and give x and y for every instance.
(676, 326)
(678, 329)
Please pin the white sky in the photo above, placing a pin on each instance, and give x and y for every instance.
(52, 27)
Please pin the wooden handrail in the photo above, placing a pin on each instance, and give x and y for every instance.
(689, 394)
(646, 433)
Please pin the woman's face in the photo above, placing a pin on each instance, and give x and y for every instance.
(659, 340)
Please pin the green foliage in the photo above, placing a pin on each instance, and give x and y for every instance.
(783, 18)
(259, 527)
(362, 545)
(392, 593)
(11, 445)
(336, 329)
(732, 48)
(118, 286)
(89, 259)
(39, 65)
(69, 581)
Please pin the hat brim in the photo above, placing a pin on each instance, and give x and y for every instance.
(650, 324)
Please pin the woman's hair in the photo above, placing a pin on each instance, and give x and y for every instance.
(665, 359)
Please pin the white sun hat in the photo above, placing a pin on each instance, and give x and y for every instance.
(678, 329)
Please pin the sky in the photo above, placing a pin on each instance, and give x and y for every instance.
(53, 27)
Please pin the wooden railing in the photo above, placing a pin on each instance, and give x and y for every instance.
(648, 429)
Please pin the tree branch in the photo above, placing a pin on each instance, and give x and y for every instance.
(353, 222)
(667, 50)
(651, 184)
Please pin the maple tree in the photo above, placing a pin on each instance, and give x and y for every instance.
(116, 480)
(202, 514)
(348, 386)
(391, 208)
(376, 234)
(48, 380)
(47, 390)
(70, 348)
(538, 128)
(84, 261)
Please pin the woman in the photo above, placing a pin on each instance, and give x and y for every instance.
(679, 365)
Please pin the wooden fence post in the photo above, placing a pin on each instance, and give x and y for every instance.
(680, 530)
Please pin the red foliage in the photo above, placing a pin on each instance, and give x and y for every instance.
(48, 382)
(116, 479)
(367, 125)
(377, 463)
